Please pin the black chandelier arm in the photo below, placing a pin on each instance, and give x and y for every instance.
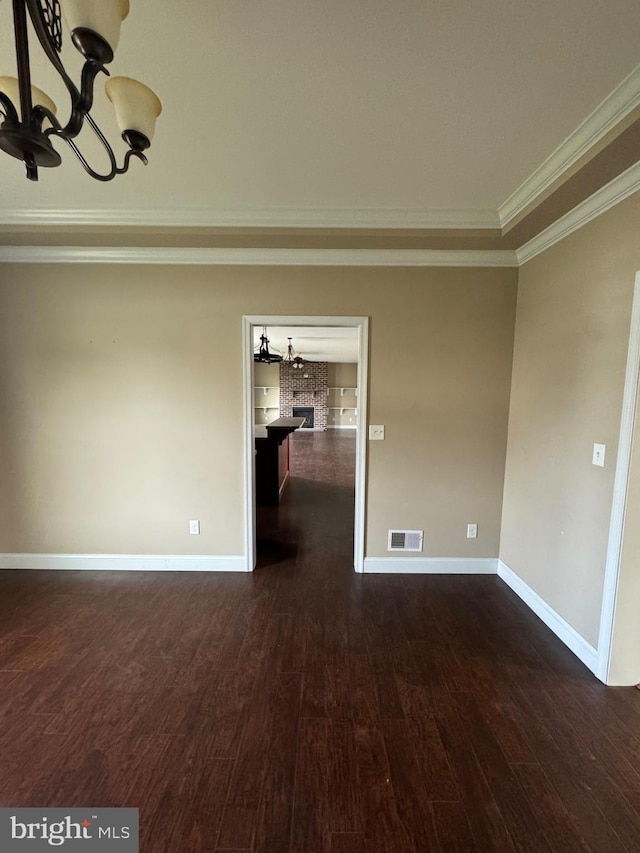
(49, 47)
(131, 152)
(81, 102)
(22, 59)
(8, 110)
(82, 99)
(115, 169)
(79, 109)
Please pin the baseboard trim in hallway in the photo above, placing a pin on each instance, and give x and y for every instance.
(431, 566)
(582, 649)
(126, 562)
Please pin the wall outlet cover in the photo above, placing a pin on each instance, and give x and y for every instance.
(376, 432)
(598, 455)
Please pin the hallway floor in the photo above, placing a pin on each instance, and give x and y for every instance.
(308, 709)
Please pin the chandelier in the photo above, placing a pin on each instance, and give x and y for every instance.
(263, 356)
(296, 361)
(28, 116)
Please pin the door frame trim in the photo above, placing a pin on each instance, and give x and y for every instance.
(249, 321)
(620, 489)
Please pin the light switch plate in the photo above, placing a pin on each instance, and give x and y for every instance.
(598, 454)
(376, 433)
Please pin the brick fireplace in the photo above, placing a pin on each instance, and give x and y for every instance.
(305, 388)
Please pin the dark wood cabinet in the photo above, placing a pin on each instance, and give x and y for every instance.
(272, 458)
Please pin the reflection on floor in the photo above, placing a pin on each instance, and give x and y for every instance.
(327, 457)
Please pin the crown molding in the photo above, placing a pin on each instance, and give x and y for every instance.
(610, 112)
(265, 218)
(604, 199)
(256, 257)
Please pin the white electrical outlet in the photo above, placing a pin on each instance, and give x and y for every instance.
(472, 531)
(598, 454)
(194, 527)
(376, 433)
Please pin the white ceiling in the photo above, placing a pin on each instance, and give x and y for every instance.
(316, 343)
(345, 108)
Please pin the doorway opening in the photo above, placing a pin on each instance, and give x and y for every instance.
(338, 410)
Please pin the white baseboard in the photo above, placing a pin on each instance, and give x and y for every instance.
(582, 649)
(125, 562)
(342, 426)
(430, 565)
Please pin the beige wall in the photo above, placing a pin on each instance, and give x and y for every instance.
(266, 375)
(121, 401)
(572, 328)
(343, 374)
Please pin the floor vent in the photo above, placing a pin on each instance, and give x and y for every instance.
(405, 540)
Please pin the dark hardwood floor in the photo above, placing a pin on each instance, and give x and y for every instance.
(304, 708)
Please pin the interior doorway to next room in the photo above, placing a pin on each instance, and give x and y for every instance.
(326, 386)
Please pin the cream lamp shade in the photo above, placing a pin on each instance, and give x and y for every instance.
(102, 16)
(136, 106)
(11, 88)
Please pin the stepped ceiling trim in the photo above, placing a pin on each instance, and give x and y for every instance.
(267, 218)
(257, 257)
(620, 103)
(613, 193)
(604, 199)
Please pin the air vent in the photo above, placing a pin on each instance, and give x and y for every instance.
(405, 540)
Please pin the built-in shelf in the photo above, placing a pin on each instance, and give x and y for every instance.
(342, 409)
(269, 409)
(342, 389)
